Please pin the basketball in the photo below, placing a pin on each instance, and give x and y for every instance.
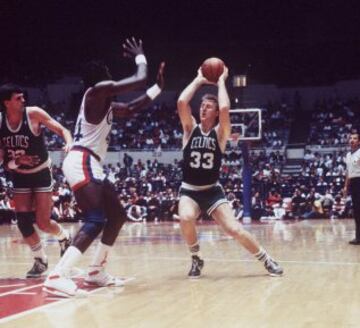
(212, 68)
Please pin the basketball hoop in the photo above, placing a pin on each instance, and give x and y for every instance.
(247, 123)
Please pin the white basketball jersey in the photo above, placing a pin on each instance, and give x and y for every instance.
(93, 136)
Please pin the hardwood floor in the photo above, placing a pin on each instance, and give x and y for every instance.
(320, 287)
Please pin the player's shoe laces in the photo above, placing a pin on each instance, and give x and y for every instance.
(38, 268)
(273, 268)
(101, 278)
(58, 285)
(196, 265)
(64, 245)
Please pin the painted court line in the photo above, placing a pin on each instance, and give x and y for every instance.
(47, 306)
(14, 285)
(58, 299)
(15, 291)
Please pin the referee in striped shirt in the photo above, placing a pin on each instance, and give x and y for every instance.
(352, 181)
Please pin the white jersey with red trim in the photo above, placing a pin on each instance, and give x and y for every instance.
(93, 136)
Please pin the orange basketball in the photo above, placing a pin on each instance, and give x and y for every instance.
(212, 68)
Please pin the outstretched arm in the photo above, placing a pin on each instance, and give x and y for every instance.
(132, 49)
(136, 105)
(224, 127)
(183, 103)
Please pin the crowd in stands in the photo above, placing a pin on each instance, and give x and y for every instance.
(316, 192)
(332, 120)
(276, 124)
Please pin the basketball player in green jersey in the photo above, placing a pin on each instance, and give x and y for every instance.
(203, 147)
(26, 158)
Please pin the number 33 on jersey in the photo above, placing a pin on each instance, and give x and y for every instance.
(202, 158)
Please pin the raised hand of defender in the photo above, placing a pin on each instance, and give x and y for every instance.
(132, 48)
(160, 76)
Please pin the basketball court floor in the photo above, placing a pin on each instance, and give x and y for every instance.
(320, 287)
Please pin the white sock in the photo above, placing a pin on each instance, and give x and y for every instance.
(38, 251)
(262, 255)
(100, 257)
(195, 249)
(68, 260)
(63, 234)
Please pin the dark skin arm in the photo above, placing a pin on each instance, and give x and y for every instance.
(121, 110)
(132, 48)
(98, 98)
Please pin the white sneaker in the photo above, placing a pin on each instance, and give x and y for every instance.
(57, 285)
(101, 278)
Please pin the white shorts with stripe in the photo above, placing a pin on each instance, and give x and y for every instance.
(81, 166)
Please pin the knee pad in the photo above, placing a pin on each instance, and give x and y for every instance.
(94, 222)
(25, 222)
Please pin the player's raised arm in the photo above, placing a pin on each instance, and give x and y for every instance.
(132, 49)
(136, 105)
(224, 127)
(183, 103)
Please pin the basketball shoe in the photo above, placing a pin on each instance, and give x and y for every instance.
(273, 268)
(196, 265)
(99, 277)
(58, 285)
(38, 268)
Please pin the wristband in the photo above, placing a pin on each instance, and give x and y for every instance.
(12, 165)
(153, 91)
(140, 59)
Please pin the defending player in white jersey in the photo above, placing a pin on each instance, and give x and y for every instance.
(82, 167)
